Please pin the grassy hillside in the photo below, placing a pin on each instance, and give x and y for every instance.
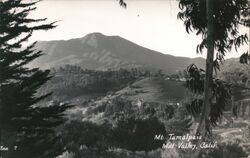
(155, 90)
(150, 92)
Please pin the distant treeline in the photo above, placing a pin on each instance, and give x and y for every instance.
(73, 80)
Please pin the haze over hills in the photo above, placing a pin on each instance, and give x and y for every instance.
(100, 52)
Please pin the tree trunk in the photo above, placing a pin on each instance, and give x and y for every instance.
(203, 123)
(204, 119)
(209, 71)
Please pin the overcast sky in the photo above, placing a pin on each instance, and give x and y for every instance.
(149, 23)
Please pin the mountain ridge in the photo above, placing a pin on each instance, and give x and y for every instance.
(98, 51)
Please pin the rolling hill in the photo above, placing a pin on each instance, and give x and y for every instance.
(155, 92)
(101, 52)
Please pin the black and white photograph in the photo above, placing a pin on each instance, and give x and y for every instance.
(124, 79)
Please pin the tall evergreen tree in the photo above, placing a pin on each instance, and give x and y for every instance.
(26, 129)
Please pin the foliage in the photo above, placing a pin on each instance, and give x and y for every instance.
(235, 73)
(122, 3)
(132, 126)
(117, 105)
(238, 76)
(72, 81)
(195, 79)
(225, 19)
(245, 58)
(87, 139)
(228, 15)
(27, 129)
(83, 137)
(128, 127)
(135, 135)
(221, 94)
(180, 123)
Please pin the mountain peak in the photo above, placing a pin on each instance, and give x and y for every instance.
(93, 39)
(98, 35)
(96, 38)
(99, 51)
(95, 35)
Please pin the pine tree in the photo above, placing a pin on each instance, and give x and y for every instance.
(26, 129)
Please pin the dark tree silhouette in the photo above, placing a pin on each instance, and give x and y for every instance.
(136, 134)
(26, 129)
(84, 137)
